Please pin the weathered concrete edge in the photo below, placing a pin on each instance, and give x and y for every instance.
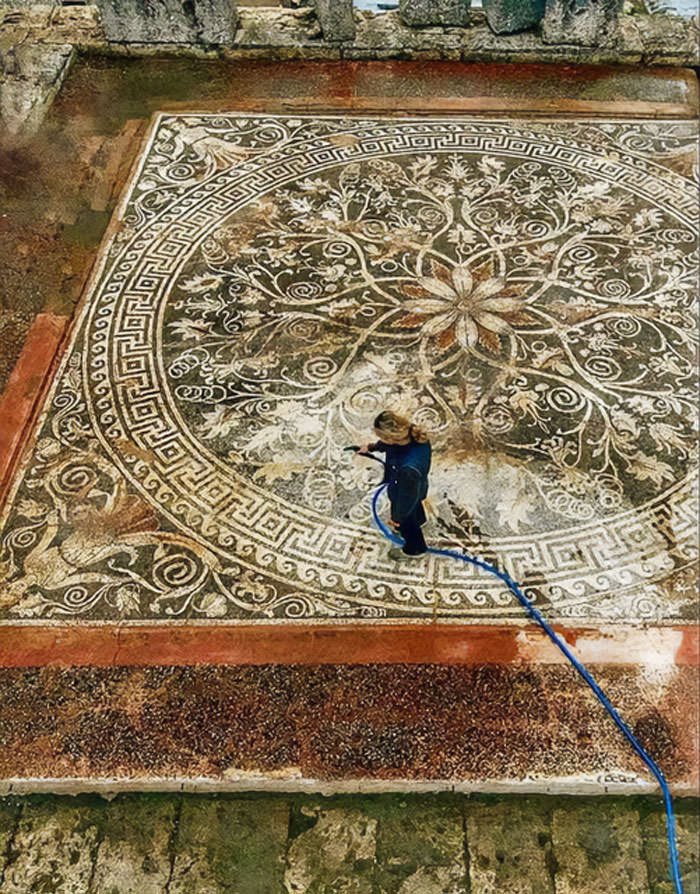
(249, 782)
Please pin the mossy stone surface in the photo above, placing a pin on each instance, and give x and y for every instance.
(598, 847)
(510, 848)
(134, 857)
(420, 842)
(345, 844)
(10, 809)
(337, 853)
(53, 849)
(232, 845)
(655, 844)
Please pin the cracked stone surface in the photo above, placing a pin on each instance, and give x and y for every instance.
(133, 853)
(384, 844)
(598, 850)
(522, 289)
(229, 845)
(511, 852)
(52, 849)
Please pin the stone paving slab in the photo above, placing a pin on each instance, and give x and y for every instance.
(9, 818)
(511, 851)
(407, 844)
(421, 847)
(134, 850)
(229, 845)
(341, 844)
(53, 848)
(653, 833)
(599, 849)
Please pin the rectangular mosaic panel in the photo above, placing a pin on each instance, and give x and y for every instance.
(525, 290)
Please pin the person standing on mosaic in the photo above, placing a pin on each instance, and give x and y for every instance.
(406, 468)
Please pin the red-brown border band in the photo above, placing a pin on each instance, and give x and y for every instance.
(24, 393)
(227, 644)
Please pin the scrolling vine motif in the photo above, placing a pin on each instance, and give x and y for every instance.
(538, 318)
(513, 306)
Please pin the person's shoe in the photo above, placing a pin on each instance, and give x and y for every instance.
(397, 553)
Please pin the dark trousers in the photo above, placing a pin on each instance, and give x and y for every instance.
(411, 532)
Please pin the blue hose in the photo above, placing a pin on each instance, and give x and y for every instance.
(620, 723)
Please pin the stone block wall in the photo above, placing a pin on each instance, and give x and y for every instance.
(586, 22)
(434, 12)
(327, 30)
(596, 31)
(169, 21)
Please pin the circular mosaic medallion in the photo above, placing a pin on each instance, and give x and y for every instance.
(523, 290)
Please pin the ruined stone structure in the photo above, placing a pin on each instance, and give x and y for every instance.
(165, 21)
(231, 233)
(38, 42)
(503, 30)
(507, 16)
(434, 12)
(588, 22)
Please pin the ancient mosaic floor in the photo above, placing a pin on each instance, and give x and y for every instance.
(524, 289)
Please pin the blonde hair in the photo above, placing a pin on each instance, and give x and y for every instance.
(400, 427)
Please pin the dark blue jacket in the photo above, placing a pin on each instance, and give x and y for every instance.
(406, 470)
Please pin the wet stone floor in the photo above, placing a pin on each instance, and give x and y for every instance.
(525, 290)
(390, 844)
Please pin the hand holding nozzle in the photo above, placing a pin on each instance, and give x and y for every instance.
(364, 450)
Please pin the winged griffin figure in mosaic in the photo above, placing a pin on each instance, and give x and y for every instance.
(534, 312)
